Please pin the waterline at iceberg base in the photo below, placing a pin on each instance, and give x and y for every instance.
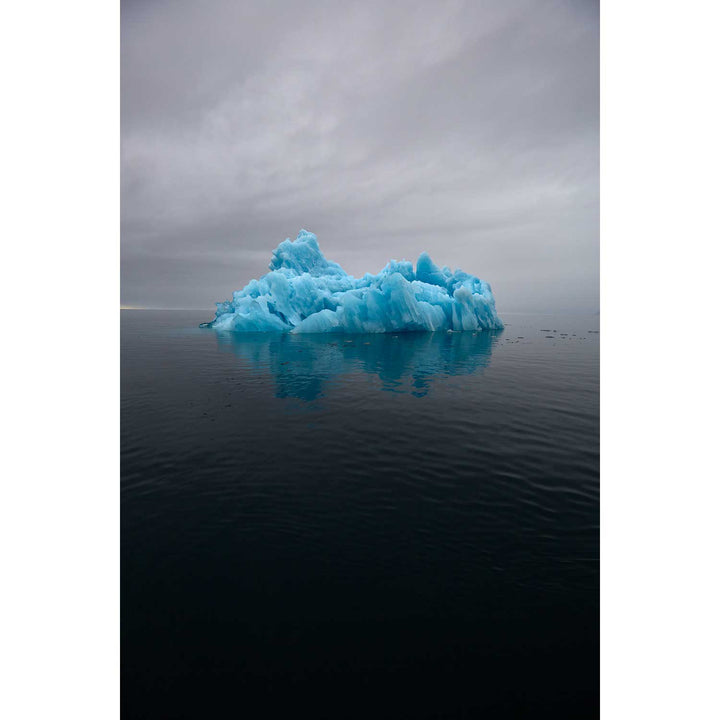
(306, 293)
(309, 366)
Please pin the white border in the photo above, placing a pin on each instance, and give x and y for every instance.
(659, 476)
(59, 509)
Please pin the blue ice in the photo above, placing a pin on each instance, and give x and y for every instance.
(304, 292)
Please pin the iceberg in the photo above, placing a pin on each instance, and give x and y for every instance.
(304, 292)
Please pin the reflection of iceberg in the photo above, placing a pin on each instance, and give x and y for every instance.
(306, 293)
(405, 362)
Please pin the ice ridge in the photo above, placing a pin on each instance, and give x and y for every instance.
(304, 292)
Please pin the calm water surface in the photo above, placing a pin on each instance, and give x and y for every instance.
(360, 526)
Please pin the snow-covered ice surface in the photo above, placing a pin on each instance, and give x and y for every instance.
(306, 293)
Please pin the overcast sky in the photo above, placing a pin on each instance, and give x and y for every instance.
(467, 129)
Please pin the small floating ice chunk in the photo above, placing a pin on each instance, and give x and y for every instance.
(304, 292)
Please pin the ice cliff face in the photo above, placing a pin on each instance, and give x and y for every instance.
(306, 293)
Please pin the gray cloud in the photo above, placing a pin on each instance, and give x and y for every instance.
(467, 129)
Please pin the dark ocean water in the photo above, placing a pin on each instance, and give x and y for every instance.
(360, 526)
